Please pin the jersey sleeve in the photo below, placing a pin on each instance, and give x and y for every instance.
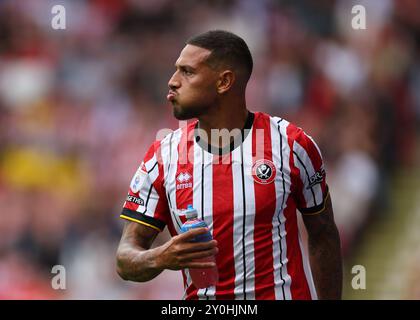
(146, 200)
(311, 189)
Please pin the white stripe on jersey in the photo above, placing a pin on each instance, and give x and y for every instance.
(197, 192)
(171, 180)
(152, 201)
(152, 168)
(197, 180)
(243, 225)
(189, 281)
(166, 148)
(250, 218)
(313, 195)
(207, 204)
(282, 279)
(166, 157)
(238, 223)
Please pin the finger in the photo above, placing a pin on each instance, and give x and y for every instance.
(196, 246)
(199, 255)
(199, 265)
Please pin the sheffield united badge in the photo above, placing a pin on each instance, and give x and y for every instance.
(263, 171)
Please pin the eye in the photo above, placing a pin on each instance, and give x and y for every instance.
(187, 72)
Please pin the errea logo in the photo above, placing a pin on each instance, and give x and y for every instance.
(183, 180)
(183, 177)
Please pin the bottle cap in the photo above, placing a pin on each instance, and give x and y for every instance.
(190, 213)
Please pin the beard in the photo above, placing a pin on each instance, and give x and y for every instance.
(186, 113)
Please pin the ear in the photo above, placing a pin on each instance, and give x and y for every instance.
(226, 81)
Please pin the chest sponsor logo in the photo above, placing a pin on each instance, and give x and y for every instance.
(183, 181)
(263, 171)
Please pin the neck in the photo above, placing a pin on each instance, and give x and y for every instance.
(228, 116)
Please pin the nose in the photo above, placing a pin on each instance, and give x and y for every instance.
(174, 83)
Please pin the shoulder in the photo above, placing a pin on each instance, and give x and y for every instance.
(298, 139)
(160, 149)
(171, 136)
(291, 130)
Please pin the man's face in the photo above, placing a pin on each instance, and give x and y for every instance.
(192, 88)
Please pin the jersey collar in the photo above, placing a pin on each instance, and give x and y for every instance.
(239, 139)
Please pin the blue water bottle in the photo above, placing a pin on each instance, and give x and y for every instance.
(201, 278)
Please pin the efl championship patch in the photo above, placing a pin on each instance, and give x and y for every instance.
(263, 171)
(138, 180)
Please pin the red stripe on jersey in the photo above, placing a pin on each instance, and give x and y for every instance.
(184, 181)
(263, 241)
(171, 228)
(150, 153)
(182, 146)
(162, 205)
(163, 196)
(299, 287)
(223, 226)
(191, 292)
(297, 185)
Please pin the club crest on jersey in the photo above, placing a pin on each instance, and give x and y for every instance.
(263, 171)
(183, 181)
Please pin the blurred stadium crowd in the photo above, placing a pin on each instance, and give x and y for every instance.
(80, 106)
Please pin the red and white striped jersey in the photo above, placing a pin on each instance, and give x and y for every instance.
(247, 195)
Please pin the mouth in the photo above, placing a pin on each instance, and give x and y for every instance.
(171, 95)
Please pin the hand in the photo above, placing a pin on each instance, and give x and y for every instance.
(179, 253)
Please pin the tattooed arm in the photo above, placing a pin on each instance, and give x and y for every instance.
(136, 261)
(325, 252)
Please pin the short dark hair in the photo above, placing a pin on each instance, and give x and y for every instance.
(226, 48)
